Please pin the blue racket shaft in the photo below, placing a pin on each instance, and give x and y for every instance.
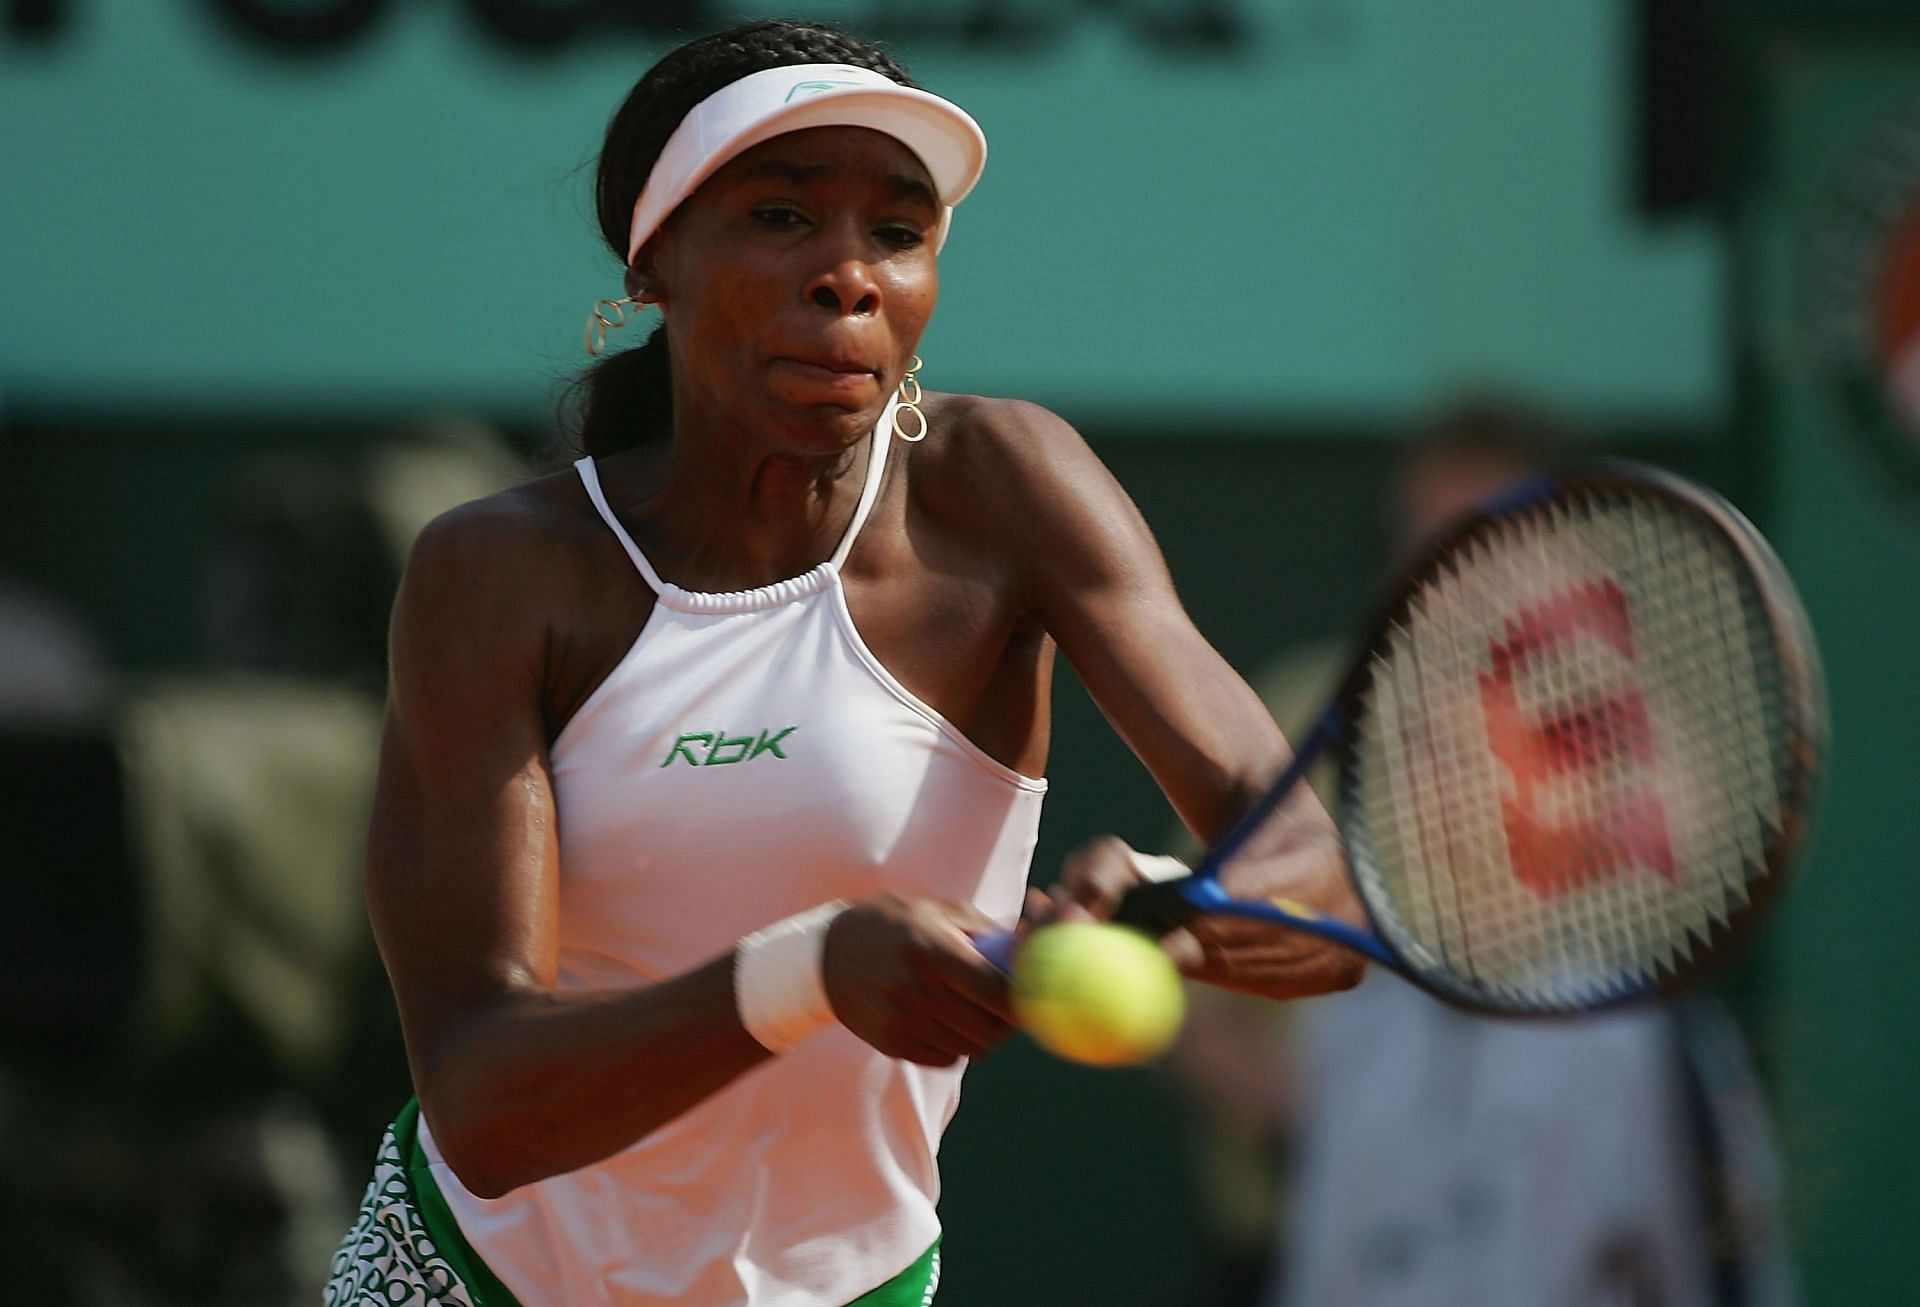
(1159, 906)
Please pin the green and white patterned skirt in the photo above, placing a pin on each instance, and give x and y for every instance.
(405, 1250)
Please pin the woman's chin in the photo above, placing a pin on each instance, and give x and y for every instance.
(825, 428)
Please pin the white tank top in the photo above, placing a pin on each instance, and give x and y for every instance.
(747, 759)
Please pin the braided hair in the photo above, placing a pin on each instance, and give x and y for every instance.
(627, 398)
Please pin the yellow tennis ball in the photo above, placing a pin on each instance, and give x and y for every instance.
(1101, 994)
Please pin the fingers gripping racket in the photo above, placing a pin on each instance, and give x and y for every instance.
(1576, 752)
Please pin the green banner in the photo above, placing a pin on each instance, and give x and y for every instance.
(1193, 214)
(1831, 228)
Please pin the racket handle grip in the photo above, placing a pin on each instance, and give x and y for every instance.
(997, 948)
(1156, 906)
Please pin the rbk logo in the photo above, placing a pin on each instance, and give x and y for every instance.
(718, 749)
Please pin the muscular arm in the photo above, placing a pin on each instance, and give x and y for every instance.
(520, 1079)
(1101, 588)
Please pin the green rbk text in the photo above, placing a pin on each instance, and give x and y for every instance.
(718, 749)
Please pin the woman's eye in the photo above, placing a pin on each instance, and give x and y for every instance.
(778, 215)
(906, 237)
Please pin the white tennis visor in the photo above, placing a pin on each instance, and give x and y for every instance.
(770, 103)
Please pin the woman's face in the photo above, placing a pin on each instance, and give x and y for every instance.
(797, 281)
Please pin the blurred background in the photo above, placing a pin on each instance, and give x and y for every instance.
(284, 278)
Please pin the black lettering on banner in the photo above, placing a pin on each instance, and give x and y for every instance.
(1191, 27)
(998, 25)
(36, 18)
(306, 26)
(1184, 26)
(539, 25)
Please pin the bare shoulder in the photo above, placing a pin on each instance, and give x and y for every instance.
(990, 459)
(1019, 481)
(511, 553)
(543, 514)
(997, 437)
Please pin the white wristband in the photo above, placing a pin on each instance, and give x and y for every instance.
(777, 987)
(1158, 866)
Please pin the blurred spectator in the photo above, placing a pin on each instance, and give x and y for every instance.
(59, 815)
(50, 668)
(309, 543)
(193, 1011)
(1437, 1159)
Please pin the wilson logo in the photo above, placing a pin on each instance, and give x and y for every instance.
(1604, 743)
(718, 749)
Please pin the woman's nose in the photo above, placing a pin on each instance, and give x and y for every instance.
(846, 287)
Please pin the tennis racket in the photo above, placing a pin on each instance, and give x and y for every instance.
(1576, 752)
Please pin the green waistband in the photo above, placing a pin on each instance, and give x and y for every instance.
(910, 1288)
(483, 1286)
(913, 1287)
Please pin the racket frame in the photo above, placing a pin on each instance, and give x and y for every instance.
(1161, 906)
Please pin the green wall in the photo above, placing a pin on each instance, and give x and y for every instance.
(1836, 117)
(1364, 200)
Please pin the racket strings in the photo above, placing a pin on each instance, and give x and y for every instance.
(1570, 764)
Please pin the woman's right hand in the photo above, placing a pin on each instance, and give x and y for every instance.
(902, 973)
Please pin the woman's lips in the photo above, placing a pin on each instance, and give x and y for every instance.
(833, 377)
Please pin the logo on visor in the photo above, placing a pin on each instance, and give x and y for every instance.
(812, 88)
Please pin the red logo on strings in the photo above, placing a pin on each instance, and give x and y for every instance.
(1549, 855)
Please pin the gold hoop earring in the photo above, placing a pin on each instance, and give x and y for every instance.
(910, 403)
(608, 315)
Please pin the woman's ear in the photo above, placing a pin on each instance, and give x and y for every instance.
(643, 275)
(642, 285)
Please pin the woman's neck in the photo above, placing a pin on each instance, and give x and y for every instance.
(716, 508)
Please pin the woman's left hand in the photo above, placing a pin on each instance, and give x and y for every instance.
(1256, 957)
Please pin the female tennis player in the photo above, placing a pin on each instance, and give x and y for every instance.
(706, 761)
